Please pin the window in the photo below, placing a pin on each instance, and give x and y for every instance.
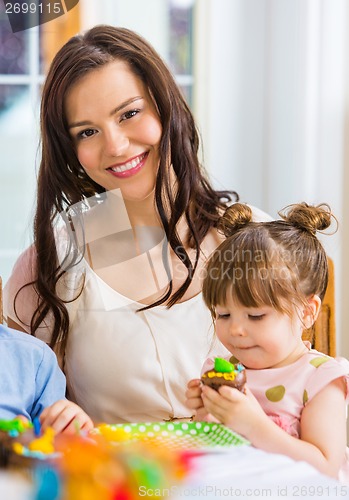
(20, 81)
(181, 44)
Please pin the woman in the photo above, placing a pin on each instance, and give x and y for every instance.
(115, 290)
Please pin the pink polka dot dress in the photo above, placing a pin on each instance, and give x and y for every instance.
(284, 392)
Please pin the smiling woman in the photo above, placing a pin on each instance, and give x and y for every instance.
(125, 221)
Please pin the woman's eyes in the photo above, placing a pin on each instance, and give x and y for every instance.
(84, 134)
(129, 114)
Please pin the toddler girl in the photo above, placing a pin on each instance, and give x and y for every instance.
(264, 285)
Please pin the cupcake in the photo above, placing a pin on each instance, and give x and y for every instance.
(225, 373)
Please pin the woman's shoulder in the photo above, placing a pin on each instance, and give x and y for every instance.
(26, 261)
(23, 271)
(20, 285)
(20, 297)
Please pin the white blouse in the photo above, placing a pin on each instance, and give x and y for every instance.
(129, 366)
(122, 365)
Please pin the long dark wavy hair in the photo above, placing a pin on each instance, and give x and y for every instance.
(62, 182)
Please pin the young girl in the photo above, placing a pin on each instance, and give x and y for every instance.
(264, 285)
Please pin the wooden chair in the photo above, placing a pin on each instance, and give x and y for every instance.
(323, 334)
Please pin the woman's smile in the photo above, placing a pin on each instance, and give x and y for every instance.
(129, 168)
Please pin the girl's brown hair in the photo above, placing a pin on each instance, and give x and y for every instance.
(62, 182)
(279, 263)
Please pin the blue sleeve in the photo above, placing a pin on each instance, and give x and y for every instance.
(50, 383)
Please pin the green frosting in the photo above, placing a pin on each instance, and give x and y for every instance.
(223, 366)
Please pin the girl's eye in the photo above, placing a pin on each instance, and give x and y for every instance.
(256, 317)
(86, 133)
(129, 114)
(222, 316)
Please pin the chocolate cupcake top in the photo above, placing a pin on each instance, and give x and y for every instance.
(228, 373)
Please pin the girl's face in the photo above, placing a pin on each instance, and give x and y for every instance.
(259, 337)
(116, 130)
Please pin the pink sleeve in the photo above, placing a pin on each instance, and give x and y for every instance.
(23, 272)
(326, 373)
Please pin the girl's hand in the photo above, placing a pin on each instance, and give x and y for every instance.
(193, 394)
(66, 417)
(194, 401)
(238, 411)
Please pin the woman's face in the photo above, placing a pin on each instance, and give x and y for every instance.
(116, 130)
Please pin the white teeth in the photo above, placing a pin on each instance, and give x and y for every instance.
(129, 165)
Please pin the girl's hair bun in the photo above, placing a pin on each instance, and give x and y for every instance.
(311, 218)
(235, 217)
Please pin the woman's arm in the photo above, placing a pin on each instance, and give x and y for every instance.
(21, 301)
(23, 272)
(322, 441)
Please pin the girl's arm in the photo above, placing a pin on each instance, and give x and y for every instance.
(194, 402)
(322, 440)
